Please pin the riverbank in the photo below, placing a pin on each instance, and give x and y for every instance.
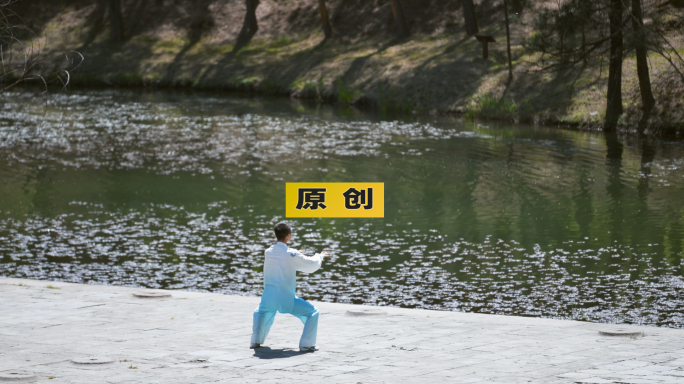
(203, 337)
(438, 70)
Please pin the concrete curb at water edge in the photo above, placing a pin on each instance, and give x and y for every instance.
(73, 333)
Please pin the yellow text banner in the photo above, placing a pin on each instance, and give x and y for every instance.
(335, 199)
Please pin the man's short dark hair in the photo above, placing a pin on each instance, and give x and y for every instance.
(282, 230)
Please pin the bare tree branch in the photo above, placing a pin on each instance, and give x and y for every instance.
(17, 40)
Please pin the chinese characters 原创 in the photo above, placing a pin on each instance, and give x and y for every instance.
(335, 199)
(311, 198)
(314, 198)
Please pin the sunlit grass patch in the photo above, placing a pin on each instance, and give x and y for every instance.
(281, 42)
(209, 50)
(143, 39)
(173, 44)
(247, 80)
(491, 107)
(310, 89)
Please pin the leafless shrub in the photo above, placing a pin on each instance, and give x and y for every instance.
(23, 58)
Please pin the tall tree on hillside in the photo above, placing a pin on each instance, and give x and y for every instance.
(327, 28)
(249, 26)
(578, 31)
(399, 20)
(614, 95)
(469, 17)
(647, 99)
(116, 26)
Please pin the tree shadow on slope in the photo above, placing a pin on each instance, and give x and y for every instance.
(439, 82)
(357, 65)
(201, 22)
(289, 67)
(97, 23)
(452, 76)
(538, 97)
(123, 61)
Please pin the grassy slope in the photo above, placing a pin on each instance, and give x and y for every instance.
(439, 69)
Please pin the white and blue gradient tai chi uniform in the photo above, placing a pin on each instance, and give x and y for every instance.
(280, 279)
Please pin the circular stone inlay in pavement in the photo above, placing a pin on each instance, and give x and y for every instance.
(366, 312)
(619, 332)
(16, 376)
(152, 295)
(93, 360)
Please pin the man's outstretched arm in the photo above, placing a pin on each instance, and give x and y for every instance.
(309, 264)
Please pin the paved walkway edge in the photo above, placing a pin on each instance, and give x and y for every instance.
(46, 327)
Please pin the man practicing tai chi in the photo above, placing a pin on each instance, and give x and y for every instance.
(280, 278)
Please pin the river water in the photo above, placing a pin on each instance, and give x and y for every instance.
(180, 191)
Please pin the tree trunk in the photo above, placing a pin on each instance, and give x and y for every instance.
(97, 22)
(614, 97)
(508, 43)
(249, 26)
(115, 21)
(327, 28)
(647, 98)
(399, 20)
(469, 17)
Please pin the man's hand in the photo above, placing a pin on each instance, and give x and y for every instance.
(324, 254)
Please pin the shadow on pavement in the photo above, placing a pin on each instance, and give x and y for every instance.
(268, 353)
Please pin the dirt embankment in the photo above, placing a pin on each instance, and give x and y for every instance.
(439, 69)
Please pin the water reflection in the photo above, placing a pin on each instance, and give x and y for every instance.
(181, 190)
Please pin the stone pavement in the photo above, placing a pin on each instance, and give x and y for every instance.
(203, 338)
